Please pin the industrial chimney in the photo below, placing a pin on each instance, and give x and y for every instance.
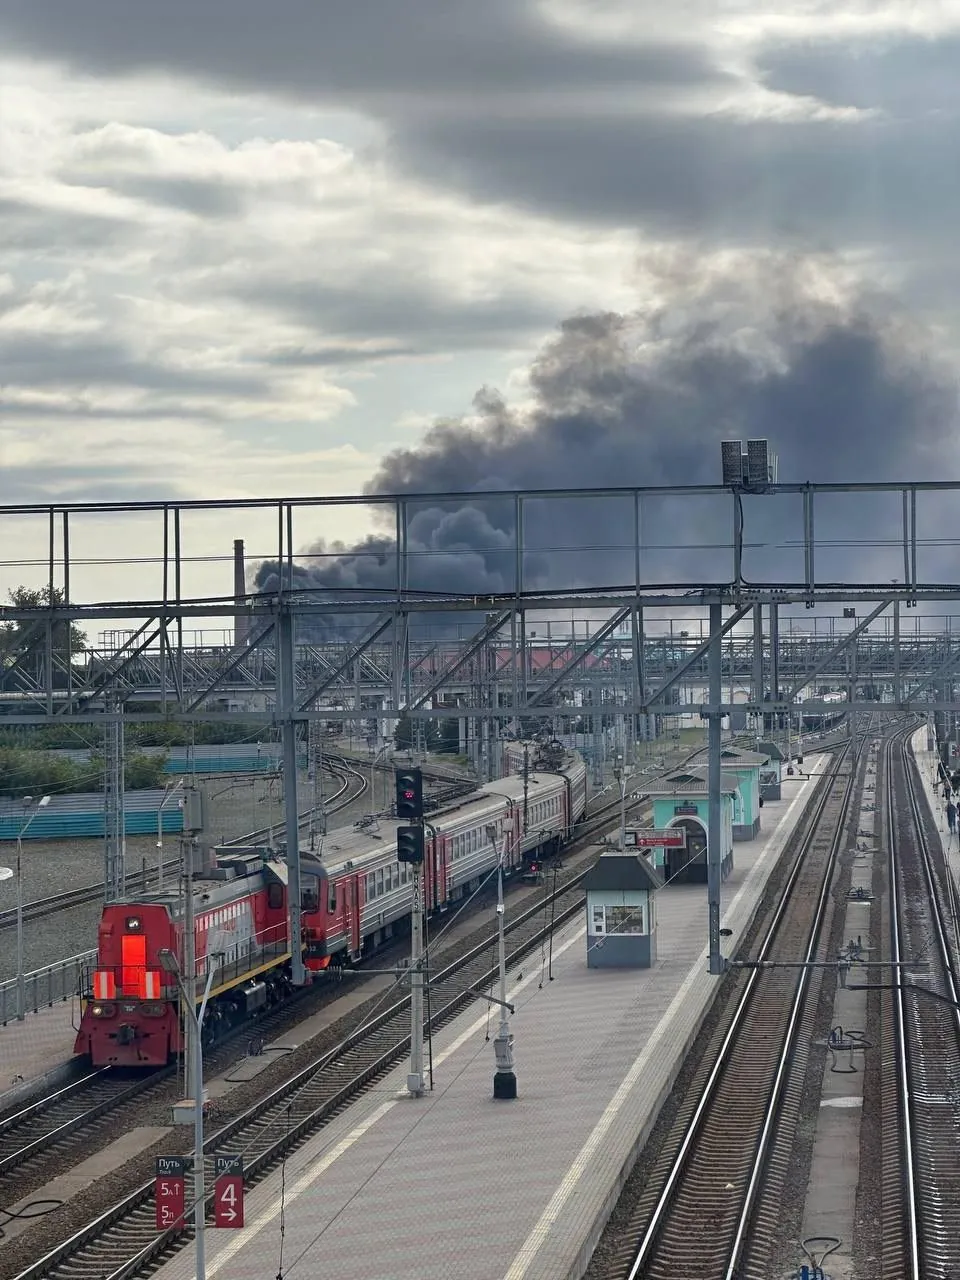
(242, 623)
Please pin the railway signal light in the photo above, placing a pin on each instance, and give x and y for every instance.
(409, 793)
(410, 844)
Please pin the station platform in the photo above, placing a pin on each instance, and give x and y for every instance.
(455, 1184)
(37, 1053)
(927, 762)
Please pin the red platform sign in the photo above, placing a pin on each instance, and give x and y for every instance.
(170, 1191)
(228, 1191)
(650, 838)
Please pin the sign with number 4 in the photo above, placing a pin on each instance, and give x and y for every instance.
(228, 1191)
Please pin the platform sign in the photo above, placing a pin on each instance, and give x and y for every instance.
(688, 810)
(651, 838)
(228, 1191)
(169, 1191)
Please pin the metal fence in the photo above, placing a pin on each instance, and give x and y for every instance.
(43, 988)
(82, 814)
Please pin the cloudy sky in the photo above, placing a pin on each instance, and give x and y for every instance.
(254, 248)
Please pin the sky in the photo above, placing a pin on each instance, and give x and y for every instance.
(307, 248)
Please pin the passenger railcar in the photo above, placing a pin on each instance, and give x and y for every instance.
(354, 898)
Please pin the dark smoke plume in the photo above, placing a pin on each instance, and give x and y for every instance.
(843, 386)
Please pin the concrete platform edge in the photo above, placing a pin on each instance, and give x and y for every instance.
(582, 1261)
(27, 1090)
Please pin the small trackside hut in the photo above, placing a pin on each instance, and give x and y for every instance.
(682, 799)
(745, 766)
(621, 912)
(771, 774)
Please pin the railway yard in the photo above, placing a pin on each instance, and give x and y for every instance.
(668, 1124)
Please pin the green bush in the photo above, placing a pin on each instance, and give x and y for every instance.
(35, 773)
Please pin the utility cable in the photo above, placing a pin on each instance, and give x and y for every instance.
(283, 1200)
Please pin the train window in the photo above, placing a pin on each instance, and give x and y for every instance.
(370, 883)
(308, 899)
(380, 883)
(275, 897)
(332, 902)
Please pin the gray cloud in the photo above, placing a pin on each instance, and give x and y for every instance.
(498, 102)
(843, 392)
(907, 76)
(379, 306)
(95, 483)
(56, 360)
(298, 48)
(813, 183)
(26, 227)
(206, 199)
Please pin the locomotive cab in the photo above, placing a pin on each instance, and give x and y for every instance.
(129, 1017)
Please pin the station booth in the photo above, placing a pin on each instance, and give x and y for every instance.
(745, 767)
(771, 773)
(682, 799)
(622, 912)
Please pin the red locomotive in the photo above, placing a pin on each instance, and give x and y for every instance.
(352, 901)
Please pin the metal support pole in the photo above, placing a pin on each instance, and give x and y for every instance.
(199, 1176)
(288, 730)
(505, 1080)
(714, 852)
(758, 665)
(21, 977)
(415, 1084)
(194, 1082)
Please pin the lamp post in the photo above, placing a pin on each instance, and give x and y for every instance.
(21, 976)
(505, 1080)
(620, 773)
(168, 792)
(170, 964)
(377, 753)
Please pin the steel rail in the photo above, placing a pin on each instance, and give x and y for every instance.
(279, 1099)
(680, 1161)
(924, 1224)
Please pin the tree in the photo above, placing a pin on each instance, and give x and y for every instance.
(25, 642)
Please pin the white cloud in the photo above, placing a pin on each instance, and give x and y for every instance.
(173, 268)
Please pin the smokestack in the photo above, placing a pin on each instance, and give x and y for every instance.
(242, 624)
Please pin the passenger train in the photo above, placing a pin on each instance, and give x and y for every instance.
(354, 897)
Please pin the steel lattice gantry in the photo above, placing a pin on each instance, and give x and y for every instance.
(734, 570)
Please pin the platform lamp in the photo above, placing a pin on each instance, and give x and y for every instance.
(37, 805)
(505, 1079)
(169, 791)
(171, 965)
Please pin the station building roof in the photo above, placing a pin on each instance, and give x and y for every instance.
(690, 782)
(622, 871)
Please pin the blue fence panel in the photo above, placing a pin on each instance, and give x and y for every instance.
(83, 815)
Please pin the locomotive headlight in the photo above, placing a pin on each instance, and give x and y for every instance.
(105, 1010)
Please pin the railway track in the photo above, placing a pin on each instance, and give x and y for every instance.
(701, 1204)
(37, 1140)
(922, 1239)
(61, 1120)
(295, 1110)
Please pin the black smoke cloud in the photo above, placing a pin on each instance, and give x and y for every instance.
(844, 387)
